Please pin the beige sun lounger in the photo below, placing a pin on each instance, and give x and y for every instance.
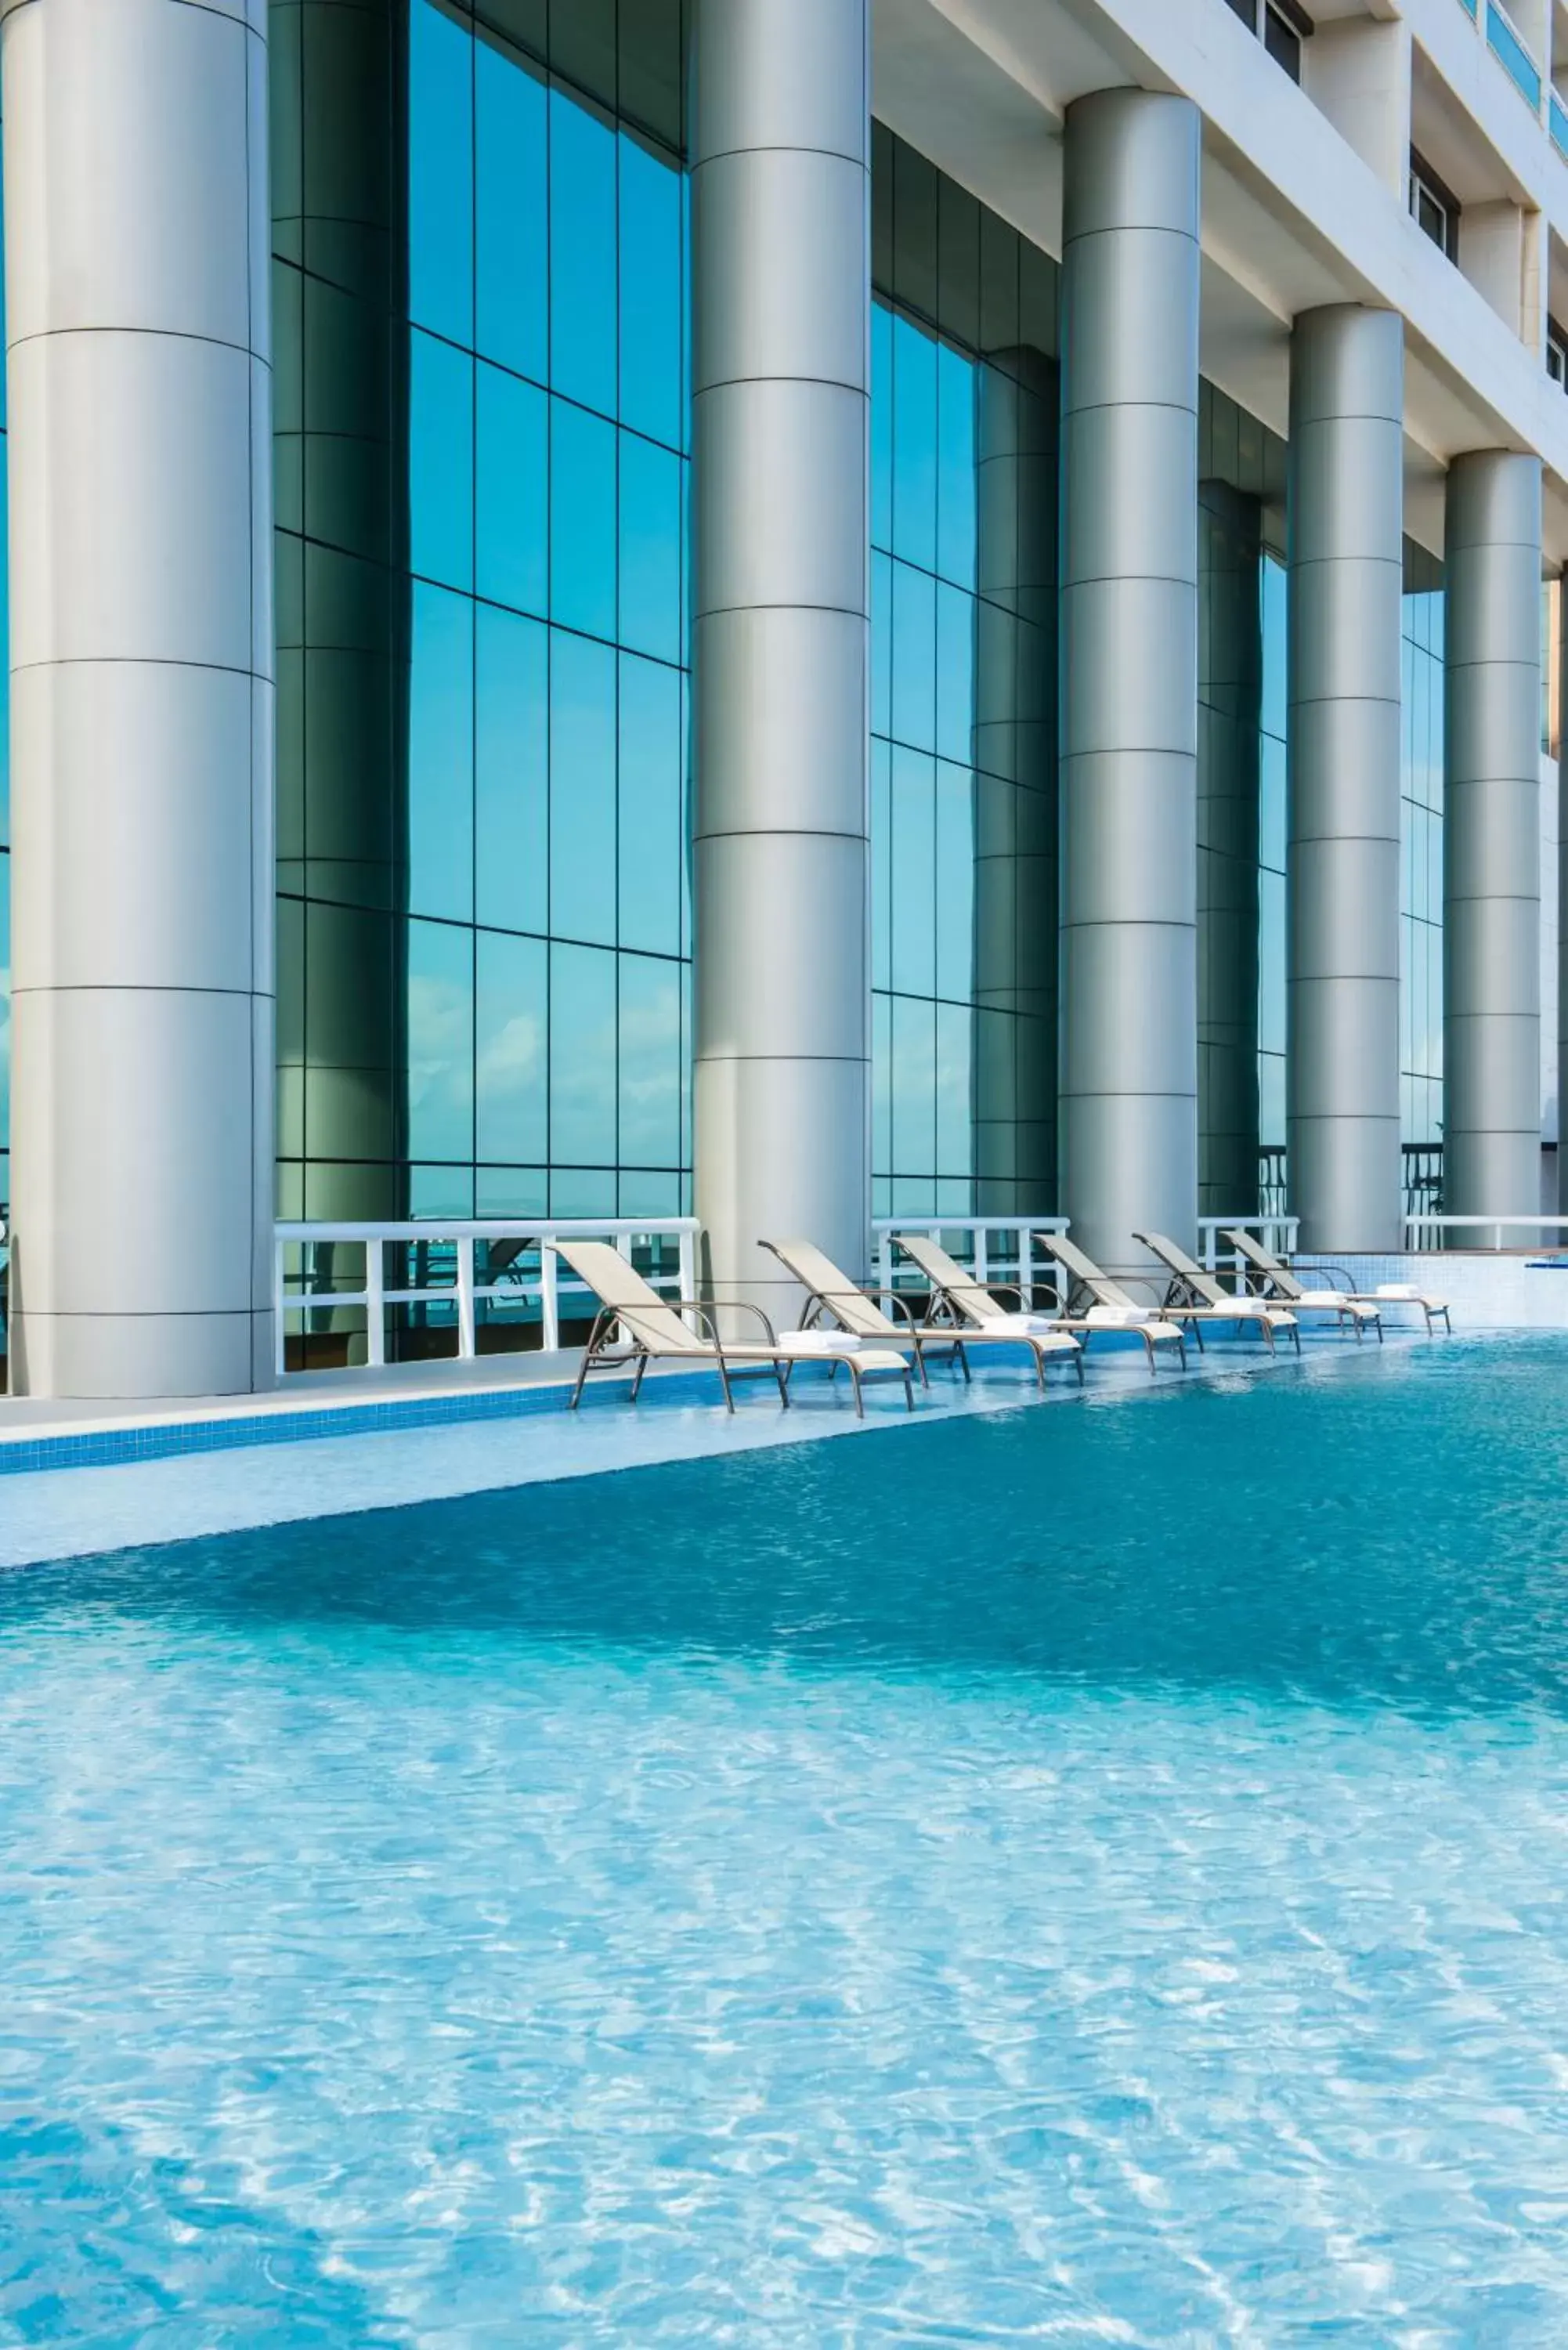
(1270, 1278)
(636, 1327)
(978, 1312)
(833, 1300)
(1103, 1303)
(1195, 1290)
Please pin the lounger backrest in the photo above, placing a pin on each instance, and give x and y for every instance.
(1100, 1286)
(819, 1275)
(649, 1319)
(1177, 1261)
(1259, 1258)
(945, 1273)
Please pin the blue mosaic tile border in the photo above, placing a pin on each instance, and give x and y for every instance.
(103, 1448)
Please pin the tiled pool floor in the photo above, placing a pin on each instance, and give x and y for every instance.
(63, 1512)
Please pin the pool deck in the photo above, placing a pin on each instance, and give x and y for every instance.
(333, 1444)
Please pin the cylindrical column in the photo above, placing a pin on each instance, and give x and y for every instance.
(136, 263)
(1129, 669)
(1346, 576)
(1016, 889)
(780, 869)
(1229, 671)
(1491, 836)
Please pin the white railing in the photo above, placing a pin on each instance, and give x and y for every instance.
(1425, 1233)
(1277, 1233)
(452, 1244)
(1016, 1262)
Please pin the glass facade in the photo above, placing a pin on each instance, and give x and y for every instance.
(481, 433)
(964, 757)
(481, 415)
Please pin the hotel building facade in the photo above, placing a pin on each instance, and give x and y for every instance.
(782, 609)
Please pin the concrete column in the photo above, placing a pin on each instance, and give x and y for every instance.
(781, 266)
(142, 646)
(1229, 669)
(1492, 836)
(1016, 867)
(1129, 671)
(1346, 579)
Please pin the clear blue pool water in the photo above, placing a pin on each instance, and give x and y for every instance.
(1085, 1875)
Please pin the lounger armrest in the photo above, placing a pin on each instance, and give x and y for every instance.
(705, 1305)
(896, 1299)
(1324, 1276)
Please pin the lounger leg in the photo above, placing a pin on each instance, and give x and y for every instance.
(1181, 1348)
(1296, 1334)
(781, 1373)
(859, 1397)
(908, 1390)
(637, 1377)
(1039, 1353)
(1269, 1335)
(963, 1362)
(1078, 1354)
(1148, 1350)
(921, 1365)
(1196, 1330)
(582, 1374)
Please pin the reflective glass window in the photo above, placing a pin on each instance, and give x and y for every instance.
(914, 873)
(651, 843)
(510, 152)
(582, 789)
(441, 756)
(582, 255)
(955, 1087)
(914, 657)
(881, 426)
(913, 444)
(441, 462)
(956, 457)
(650, 1051)
(582, 520)
(651, 239)
(651, 487)
(955, 673)
(914, 1085)
(511, 560)
(955, 852)
(441, 173)
(511, 773)
(441, 1041)
(583, 1073)
(510, 1047)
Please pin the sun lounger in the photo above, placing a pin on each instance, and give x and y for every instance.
(860, 1313)
(1103, 1303)
(1192, 1288)
(980, 1314)
(1267, 1278)
(635, 1325)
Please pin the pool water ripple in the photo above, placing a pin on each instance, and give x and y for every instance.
(1085, 1877)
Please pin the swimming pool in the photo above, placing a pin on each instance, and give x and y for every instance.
(1092, 1875)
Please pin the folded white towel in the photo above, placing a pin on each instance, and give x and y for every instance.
(1022, 1326)
(1120, 1317)
(818, 1342)
(1406, 1292)
(1322, 1297)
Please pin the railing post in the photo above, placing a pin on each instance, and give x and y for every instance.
(375, 1302)
(467, 1343)
(280, 1337)
(549, 1301)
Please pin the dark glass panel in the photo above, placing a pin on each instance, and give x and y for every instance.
(582, 520)
(651, 76)
(582, 255)
(511, 230)
(915, 230)
(583, 45)
(511, 775)
(958, 263)
(524, 22)
(999, 315)
(883, 145)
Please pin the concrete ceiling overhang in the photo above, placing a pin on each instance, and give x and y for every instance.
(981, 88)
